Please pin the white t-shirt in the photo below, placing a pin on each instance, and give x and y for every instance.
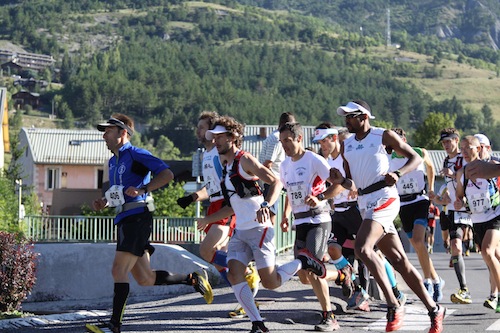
(302, 178)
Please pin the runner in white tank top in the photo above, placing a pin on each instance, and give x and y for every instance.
(483, 200)
(367, 170)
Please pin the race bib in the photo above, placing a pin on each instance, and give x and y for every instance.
(409, 185)
(479, 202)
(462, 218)
(297, 194)
(115, 196)
(212, 186)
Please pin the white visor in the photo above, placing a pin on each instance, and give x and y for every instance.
(209, 135)
(353, 107)
(321, 133)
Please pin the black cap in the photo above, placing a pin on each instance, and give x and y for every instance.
(447, 136)
(114, 122)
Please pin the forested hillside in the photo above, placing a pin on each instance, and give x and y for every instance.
(165, 61)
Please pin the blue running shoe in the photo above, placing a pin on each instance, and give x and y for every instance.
(430, 288)
(438, 290)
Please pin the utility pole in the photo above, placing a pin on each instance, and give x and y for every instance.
(388, 29)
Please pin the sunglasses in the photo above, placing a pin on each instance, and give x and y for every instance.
(353, 115)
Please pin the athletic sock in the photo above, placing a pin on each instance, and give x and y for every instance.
(459, 265)
(245, 298)
(119, 301)
(288, 270)
(390, 273)
(167, 278)
(340, 262)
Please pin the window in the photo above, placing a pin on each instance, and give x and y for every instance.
(52, 178)
(100, 177)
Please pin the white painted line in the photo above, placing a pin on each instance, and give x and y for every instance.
(495, 326)
(416, 319)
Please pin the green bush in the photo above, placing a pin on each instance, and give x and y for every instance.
(17, 270)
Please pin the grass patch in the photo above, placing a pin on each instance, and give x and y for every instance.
(15, 314)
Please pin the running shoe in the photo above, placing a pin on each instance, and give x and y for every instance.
(106, 327)
(239, 312)
(348, 286)
(357, 298)
(430, 288)
(438, 290)
(258, 327)
(328, 323)
(437, 318)
(461, 297)
(311, 263)
(491, 303)
(201, 285)
(394, 318)
(253, 278)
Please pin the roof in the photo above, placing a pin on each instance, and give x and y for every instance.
(59, 146)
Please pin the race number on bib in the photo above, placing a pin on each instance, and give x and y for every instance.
(297, 194)
(479, 202)
(409, 185)
(212, 186)
(462, 218)
(115, 196)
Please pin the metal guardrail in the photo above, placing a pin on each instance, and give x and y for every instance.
(171, 230)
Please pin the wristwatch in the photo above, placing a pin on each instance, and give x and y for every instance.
(321, 196)
(398, 173)
(264, 204)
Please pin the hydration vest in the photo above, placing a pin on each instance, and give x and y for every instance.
(243, 187)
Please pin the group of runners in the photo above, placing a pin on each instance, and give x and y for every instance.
(343, 202)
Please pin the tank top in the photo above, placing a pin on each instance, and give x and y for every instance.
(245, 209)
(455, 164)
(338, 163)
(479, 199)
(212, 174)
(412, 182)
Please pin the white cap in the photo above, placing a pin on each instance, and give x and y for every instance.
(483, 139)
(353, 107)
(209, 135)
(321, 133)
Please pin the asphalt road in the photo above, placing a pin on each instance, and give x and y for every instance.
(291, 308)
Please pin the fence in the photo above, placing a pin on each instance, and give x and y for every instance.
(171, 230)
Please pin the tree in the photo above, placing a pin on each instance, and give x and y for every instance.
(166, 201)
(427, 134)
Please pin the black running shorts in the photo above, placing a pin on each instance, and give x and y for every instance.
(133, 232)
